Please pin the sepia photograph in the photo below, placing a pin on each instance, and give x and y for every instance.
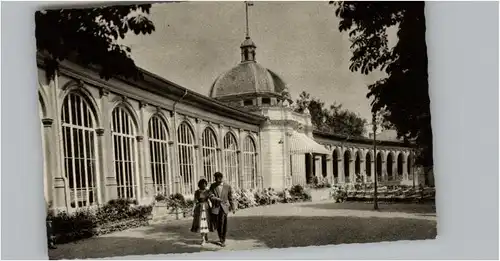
(182, 127)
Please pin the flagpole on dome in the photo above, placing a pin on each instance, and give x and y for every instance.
(247, 4)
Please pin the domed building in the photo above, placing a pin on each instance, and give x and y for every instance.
(249, 84)
(286, 137)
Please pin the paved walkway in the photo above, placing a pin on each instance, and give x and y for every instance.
(268, 227)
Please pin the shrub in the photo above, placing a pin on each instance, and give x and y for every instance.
(243, 200)
(306, 196)
(315, 181)
(281, 196)
(176, 201)
(87, 222)
(262, 198)
(68, 227)
(160, 198)
(339, 193)
(298, 193)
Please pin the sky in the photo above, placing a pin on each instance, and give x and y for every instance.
(194, 42)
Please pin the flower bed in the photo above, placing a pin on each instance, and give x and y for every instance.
(250, 198)
(114, 216)
(396, 193)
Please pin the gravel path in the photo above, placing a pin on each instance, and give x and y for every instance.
(276, 226)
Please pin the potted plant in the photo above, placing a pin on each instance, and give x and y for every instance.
(48, 224)
(176, 203)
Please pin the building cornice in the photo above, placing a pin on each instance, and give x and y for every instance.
(358, 140)
(164, 88)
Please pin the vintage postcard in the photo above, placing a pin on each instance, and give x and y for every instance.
(211, 126)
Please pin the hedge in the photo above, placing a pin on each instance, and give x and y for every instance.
(114, 216)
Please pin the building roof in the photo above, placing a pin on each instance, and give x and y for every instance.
(362, 140)
(165, 88)
(246, 78)
(160, 86)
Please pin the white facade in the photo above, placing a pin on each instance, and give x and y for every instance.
(111, 139)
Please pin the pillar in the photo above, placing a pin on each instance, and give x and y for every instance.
(340, 164)
(221, 149)
(318, 172)
(239, 157)
(383, 175)
(198, 131)
(171, 165)
(142, 191)
(148, 182)
(197, 162)
(202, 127)
(352, 175)
(240, 160)
(372, 167)
(362, 168)
(258, 171)
(55, 183)
(105, 151)
(310, 171)
(176, 178)
(405, 167)
(55, 154)
(329, 168)
(220, 163)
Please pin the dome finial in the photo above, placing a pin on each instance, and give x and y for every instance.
(247, 47)
(247, 4)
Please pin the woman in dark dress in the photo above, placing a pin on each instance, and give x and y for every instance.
(201, 214)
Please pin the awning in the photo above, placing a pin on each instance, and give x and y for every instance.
(301, 143)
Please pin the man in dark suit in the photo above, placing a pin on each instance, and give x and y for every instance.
(221, 196)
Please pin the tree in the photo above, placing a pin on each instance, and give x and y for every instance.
(344, 122)
(89, 37)
(332, 120)
(403, 94)
(315, 107)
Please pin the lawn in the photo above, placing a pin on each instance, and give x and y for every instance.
(276, 226)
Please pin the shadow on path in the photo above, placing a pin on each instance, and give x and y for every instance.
(427, 208)
(250, 232)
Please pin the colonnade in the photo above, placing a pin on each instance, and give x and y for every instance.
(357, 165)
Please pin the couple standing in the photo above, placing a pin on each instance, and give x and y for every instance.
(211, 208)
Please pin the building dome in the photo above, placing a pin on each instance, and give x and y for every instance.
(248, 77)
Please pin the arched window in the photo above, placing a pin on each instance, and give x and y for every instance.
(347, 162)
(79, 143)
(185, 139)
(124, 150)
(335, 163)
(400, 164)
(368, 166)
(231, 159)
(409, 163)
(210, 163)
(357, 163)
(390, 161)
(249, 164)
(159, 155)
(379, 166)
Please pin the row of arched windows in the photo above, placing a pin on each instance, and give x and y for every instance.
(368, 160)
(80, 161)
